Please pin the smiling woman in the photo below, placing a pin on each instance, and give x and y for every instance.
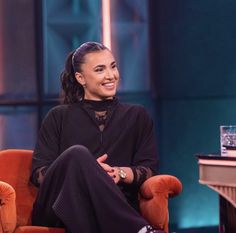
(93, 153)
(90, 73)
(99, 75)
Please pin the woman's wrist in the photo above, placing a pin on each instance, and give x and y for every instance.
(125, 175)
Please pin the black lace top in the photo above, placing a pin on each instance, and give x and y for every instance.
(100, 112)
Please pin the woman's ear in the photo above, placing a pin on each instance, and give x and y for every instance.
(80, 78)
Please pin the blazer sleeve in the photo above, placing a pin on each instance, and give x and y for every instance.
(146, 150)
(47, 147)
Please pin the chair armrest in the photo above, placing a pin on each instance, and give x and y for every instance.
(7, 208)
(153, 199)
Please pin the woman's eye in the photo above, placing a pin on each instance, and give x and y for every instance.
(99, 70)
(113, 66)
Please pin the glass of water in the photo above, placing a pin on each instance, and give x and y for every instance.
(228, 140)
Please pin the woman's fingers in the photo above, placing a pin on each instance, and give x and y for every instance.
(114, 175)
(101, 161)
(111, 171)
(102, 158)
(106, 167)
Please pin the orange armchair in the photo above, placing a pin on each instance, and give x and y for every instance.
(17, 196)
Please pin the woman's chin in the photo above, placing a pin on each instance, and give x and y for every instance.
(110, 93)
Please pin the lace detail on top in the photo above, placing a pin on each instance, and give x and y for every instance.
(101, 119)
(141, 174)
(38, 175)
(100, 111)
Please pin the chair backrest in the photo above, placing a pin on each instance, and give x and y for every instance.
(15, 167)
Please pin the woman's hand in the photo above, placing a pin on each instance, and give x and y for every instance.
(111, 171)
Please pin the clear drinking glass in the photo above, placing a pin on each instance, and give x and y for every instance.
(228, 140)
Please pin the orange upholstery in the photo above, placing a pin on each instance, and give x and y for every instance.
(15, 167)
(154, 194)
(7, 208)
(17, 195)
(38, 229)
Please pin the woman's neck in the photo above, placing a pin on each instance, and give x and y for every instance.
(99, 105)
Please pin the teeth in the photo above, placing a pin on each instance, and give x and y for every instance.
(109, 84)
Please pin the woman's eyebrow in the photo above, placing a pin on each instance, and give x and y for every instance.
(103, 66)
(99, 66)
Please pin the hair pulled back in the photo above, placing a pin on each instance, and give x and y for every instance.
(72, 90)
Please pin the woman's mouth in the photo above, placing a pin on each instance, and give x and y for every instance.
(109, 85)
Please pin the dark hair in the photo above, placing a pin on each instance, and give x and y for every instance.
(72, 91)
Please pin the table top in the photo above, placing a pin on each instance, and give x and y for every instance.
(214, 157)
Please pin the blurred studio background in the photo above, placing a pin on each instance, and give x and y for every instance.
(176, 57)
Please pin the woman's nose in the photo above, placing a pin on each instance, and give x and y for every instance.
(110, 74)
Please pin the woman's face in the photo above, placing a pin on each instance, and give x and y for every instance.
(99, 75)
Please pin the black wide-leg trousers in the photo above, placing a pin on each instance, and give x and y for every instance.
(79, 195)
